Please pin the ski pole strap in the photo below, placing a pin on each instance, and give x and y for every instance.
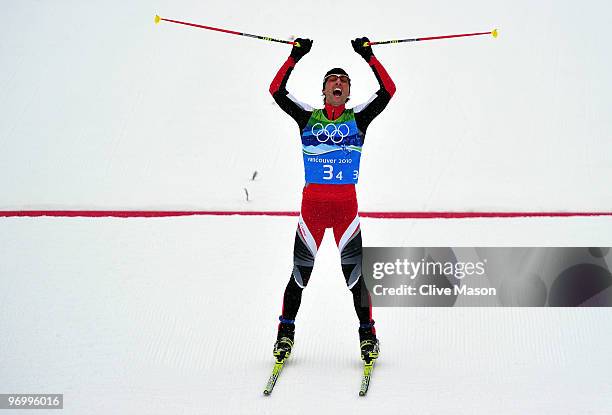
(285, 321)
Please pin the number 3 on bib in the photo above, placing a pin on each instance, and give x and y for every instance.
(328, 172)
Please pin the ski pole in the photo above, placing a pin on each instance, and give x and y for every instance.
(494, 33)
(233, 32)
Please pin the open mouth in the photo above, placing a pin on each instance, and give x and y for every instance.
(337, 92)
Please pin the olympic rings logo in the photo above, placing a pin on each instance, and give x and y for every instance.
(336, 133)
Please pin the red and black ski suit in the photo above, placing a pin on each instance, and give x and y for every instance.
(329, 205)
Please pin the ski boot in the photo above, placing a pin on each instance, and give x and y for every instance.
(284, 340)
(368, 343)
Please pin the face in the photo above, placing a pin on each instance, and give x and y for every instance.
(337, 89)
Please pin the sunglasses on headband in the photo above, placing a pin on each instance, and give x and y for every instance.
(334, 78)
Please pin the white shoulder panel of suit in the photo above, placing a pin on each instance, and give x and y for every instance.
(302, 105)
(361, 107)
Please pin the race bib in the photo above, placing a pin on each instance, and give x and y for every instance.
(331, 149)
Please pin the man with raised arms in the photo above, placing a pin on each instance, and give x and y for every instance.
(332, 140)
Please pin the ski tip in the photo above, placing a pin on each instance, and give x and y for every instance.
(495, 33)
(362, 393)
(266, 393)
(157, 19)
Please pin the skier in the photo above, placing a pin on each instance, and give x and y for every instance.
(332, 138)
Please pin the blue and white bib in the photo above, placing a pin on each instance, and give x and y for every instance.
(332, 149)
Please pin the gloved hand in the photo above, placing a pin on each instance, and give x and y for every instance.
(365, 51)
(298, 52)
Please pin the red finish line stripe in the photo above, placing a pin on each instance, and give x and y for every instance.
(380, 215)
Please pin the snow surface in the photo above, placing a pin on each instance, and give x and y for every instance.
(178, 315)
(102, 109)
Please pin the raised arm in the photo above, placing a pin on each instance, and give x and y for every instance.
(299, 111)
(367, 111)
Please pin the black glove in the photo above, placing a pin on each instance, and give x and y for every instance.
(365, 51)
(298, 52)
